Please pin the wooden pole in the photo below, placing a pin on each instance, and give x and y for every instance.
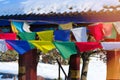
(28, 65)
(113, 62)
(113, 65)
(74, 67)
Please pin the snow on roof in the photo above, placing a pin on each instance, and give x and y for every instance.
(19, 7)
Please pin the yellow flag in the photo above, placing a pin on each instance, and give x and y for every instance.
(44, 46)
(66, 26)
(14, 28)
(45, 35)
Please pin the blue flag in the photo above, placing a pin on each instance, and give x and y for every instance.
(19, 45)
(18, 25)
(62, 35)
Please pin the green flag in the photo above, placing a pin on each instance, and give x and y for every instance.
(27, 36)
(66, 48)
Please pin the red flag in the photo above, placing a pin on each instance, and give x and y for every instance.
(8, 36)
(96, 31)
(87, 46)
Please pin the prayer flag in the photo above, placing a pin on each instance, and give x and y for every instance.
(19, 45)
(96, 31)
(62, 35)
(66, 49)
(44, 46)
(3, 47)
(27, 36)
(5, 30)
(60, 28)
(26, 27)
(8, 36)
(18, 25)
(9, 47)
(117, 26)
(110, 45)
(107, 29)
(88, 46)
(66, 26)
(14, 28)
(45, 35)
(113, 35)
(80, 34)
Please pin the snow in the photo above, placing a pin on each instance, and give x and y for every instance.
(97, 70)
(12, 7)
(50, 71)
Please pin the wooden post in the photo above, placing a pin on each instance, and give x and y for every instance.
(113, 65)
(74, 67)
(28, 65)
(113, 62)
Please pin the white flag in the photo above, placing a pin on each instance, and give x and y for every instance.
(80, 34)
(26, 27)
(3, 47)
(117, 26)
(110, 45)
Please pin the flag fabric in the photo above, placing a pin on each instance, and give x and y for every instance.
(14, 30)
(87, 46)
(107, 29)
(45, 35)
(66, 49)
(60, 28)
(80, 34)
(27, 35)
(26, 27)
(44, 46)
(9, 47)
(5, 30)
(110, 45)
(18, 25)
(113, 35)
(3, 47)
(20, 46)
(117, 26)
(8, 36)
(96, 31)
(62, 35)
(66, 26)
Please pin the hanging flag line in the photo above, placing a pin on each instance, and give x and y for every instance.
(66, 49)
(98, 31)
(60, 39)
